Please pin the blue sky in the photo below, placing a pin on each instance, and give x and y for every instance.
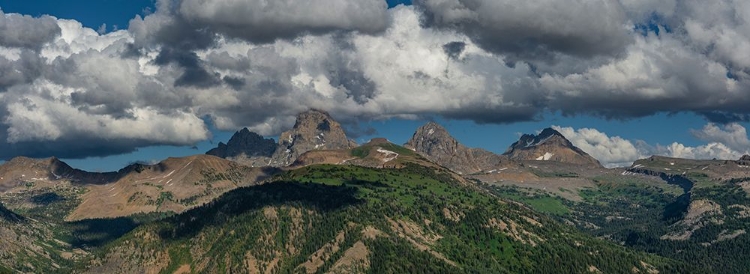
(92, 13)
(655, 129)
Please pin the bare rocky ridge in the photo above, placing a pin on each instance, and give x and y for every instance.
(377, 153)
(173, 185)
(22, 170)
(549, 145)
(314, 130)
(436, 144)
(699, 214)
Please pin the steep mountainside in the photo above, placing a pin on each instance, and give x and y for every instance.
(549, 145)
(350, 219)
(9, 216)
(173, 185)
(313, 130)
(436, 144)
(29, 245)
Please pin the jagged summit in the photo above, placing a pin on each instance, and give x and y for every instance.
(549, 145)
(245, 143)
(313, 130)
(528, 140)
(431, 128)
(435, 143)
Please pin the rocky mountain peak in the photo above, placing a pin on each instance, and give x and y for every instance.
(314, 130)
(435, 143)
(313, 118)
(548, 134)
(431, 128)
(245, 143)
(549, 145)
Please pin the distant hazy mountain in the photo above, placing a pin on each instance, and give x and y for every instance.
(549, 145)
(245, 143)
(434, 142)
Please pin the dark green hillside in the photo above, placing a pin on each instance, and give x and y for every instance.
(705, 227)
(354, 219)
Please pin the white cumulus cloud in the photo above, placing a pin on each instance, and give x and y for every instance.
(613, 151)
(732, 135)
(258, 63)
(610, 151)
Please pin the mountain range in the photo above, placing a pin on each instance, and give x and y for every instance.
(315, 201)
(316, 130)
(313, 130)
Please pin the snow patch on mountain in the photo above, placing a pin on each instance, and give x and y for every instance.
(539, 142)
(545, 157)
(389, 155)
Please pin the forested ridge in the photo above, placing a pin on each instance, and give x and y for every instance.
(410, 220)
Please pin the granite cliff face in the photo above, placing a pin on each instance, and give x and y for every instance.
(549, 145)
(436, 144)
(314, 130)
